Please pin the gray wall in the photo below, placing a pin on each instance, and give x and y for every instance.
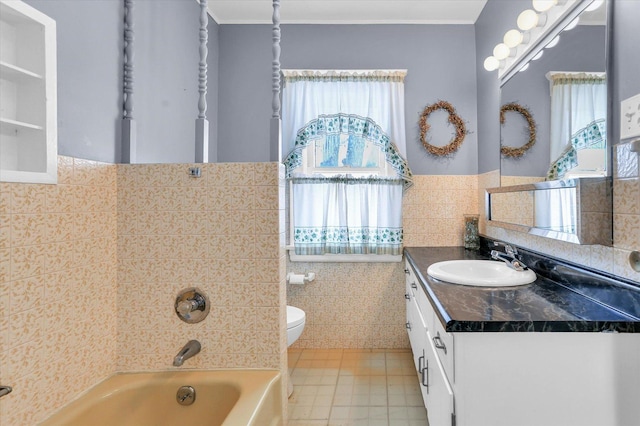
(89, 43)
(166, 80)
(440, 60)
(497, 17)
(212, 89)
(581, 49)
(626, 60)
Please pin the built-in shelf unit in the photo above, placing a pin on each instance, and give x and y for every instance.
(28, 95)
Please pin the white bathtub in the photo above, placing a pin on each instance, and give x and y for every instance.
(223, 397)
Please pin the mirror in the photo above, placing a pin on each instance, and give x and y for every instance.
(555, 172)
(572, 210)
(564, 135)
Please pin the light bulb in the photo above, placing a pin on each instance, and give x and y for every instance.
(543, 5)
(572, 24)
(527, 20)
(513, 38)
(491, 64)
(526, 67)
(501, 51)
(594, 6)
(553, 42)
(538, 55)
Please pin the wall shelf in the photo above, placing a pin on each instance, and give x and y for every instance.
(28, 94)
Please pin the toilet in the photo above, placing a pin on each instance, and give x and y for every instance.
(295, 324)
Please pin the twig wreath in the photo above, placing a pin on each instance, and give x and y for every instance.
(454, 119)
(509, 151)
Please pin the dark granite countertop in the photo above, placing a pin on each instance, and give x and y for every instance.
(568, 303)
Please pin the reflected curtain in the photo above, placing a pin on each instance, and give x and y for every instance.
(556, 210)
(347, 215)
(578, 118)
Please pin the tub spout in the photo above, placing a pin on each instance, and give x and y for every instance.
(190, 349)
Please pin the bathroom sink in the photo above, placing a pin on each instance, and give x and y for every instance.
(480, 273)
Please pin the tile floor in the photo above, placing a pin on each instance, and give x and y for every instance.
(345, 387)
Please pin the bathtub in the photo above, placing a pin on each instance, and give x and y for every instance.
(222, 397)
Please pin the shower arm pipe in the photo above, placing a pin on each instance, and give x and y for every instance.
(202, 124)
(275, 133)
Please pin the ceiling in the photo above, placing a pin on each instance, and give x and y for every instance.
(348, 11)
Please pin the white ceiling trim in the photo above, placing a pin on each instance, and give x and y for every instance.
(348, 11)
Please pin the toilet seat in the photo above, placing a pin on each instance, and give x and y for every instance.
(295, 316)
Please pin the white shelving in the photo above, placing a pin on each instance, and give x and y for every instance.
(28, 94)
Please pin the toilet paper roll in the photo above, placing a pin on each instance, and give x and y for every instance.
(295, 278)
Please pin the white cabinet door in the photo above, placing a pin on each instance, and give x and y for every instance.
(440, 399)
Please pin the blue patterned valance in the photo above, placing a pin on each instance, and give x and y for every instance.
(353, 125)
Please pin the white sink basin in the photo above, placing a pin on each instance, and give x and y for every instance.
(481, 273)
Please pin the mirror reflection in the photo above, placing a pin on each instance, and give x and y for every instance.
(573, 210)
(564, 91)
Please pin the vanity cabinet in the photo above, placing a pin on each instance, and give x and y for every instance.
(28, 120)
(520, 378)
(437, 393)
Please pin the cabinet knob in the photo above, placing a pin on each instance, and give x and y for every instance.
(407, 296)
(414, 286)
(408, 326)
(406, 271)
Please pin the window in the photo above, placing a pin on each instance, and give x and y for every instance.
(344, 134)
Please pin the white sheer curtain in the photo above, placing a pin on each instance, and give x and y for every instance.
(578, 118)
(342, 214)
(555, 209)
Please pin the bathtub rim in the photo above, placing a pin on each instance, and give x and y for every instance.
(246, 409)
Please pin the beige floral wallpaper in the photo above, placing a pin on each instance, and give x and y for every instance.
(58, 278)
(219, 232)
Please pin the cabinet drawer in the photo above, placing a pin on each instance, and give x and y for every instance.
(443, 343)
(413, 285)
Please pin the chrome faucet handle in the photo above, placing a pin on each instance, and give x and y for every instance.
(192, 305)
(508, 248)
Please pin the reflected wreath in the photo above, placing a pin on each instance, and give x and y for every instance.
(509, 151)
(454, 119)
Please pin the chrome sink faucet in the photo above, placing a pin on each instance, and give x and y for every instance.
(190, 349)
(509, 256)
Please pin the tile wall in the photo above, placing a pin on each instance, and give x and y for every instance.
(361, 305)
(219, 232)
(58, 288)
(90, 269)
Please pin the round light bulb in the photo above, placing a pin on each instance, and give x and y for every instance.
(501, 51)
(594, 6)
(538, 55)
(527, 20)
(553, 42)
(543, 5)
(524, 68)
(572, 24)
(513, 38)
(491, 64)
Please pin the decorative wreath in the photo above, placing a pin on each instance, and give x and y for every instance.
(454, 119)
(509, 151)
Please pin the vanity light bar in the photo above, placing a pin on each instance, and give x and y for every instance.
(527, 20)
